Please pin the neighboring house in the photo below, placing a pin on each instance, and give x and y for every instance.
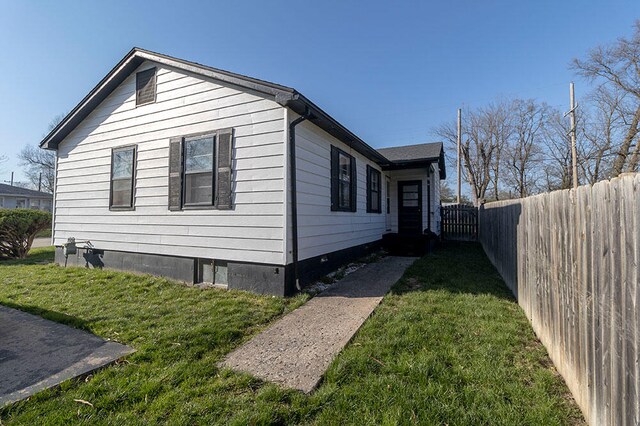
(179, 169)
(14, 197)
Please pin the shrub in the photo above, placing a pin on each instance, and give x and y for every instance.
(18, 228)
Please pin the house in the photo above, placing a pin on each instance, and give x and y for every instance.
(15, 197)
(178, 169)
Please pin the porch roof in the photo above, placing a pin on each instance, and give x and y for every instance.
(415, 156)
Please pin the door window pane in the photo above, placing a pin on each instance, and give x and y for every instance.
(410, 196)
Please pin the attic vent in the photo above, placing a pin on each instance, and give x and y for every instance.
(146, 86)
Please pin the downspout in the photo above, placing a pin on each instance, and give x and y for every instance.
(53, 200)
(429, 183)
(294, 196)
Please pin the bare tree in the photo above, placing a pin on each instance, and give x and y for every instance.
(557, 151)
(499, 127)
(601, 129)
(524, 150)
(618, 66)
(40, 164)
(482, 143)
(446, 193)
(39, 167)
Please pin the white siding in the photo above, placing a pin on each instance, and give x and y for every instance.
(321, 230)
(186, 104)
(8, 202)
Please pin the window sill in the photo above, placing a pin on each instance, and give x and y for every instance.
(121, 209)
(199, 207)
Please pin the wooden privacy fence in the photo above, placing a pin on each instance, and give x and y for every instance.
(459, 222)
(571, 259)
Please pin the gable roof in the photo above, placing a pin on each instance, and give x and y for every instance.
(389, 158)
(285, 96)
(22, 192)
(413, 155)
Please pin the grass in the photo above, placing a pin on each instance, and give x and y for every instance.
(448, 345)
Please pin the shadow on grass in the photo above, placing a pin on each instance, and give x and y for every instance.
(456, 267)
(50, 315)
(36, 256)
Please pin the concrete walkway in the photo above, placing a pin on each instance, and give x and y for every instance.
(297, 349)
(41, 242)
(36, 354)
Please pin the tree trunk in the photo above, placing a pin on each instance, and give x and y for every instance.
(633, 162)
(623, 152)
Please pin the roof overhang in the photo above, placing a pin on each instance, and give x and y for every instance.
(133, 60)
(26, 195)
(421, 163)
(301, 105)
(283, 95)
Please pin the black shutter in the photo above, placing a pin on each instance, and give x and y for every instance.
(223, 169)
(379, 207)
(369, 204)
(134, 167)
(335, 165)
(354, 185)
(175, 174)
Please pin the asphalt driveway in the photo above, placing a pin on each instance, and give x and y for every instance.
(36, 354)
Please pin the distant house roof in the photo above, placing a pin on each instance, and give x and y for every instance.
(413, 155)
(22, 192)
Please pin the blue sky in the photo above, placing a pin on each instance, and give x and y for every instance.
(390, 71)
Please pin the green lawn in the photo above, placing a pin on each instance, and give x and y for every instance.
(447, 346)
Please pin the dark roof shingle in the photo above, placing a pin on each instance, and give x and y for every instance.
(22, 192)
(423, 151)
(413, 155)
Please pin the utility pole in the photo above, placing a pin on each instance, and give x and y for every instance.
(459, 145)
(40, 182)
(11, 178)
(574, 150)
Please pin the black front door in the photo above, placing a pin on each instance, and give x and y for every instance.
(410, 207)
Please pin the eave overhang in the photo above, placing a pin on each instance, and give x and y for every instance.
(421, 163)
(283, 95)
